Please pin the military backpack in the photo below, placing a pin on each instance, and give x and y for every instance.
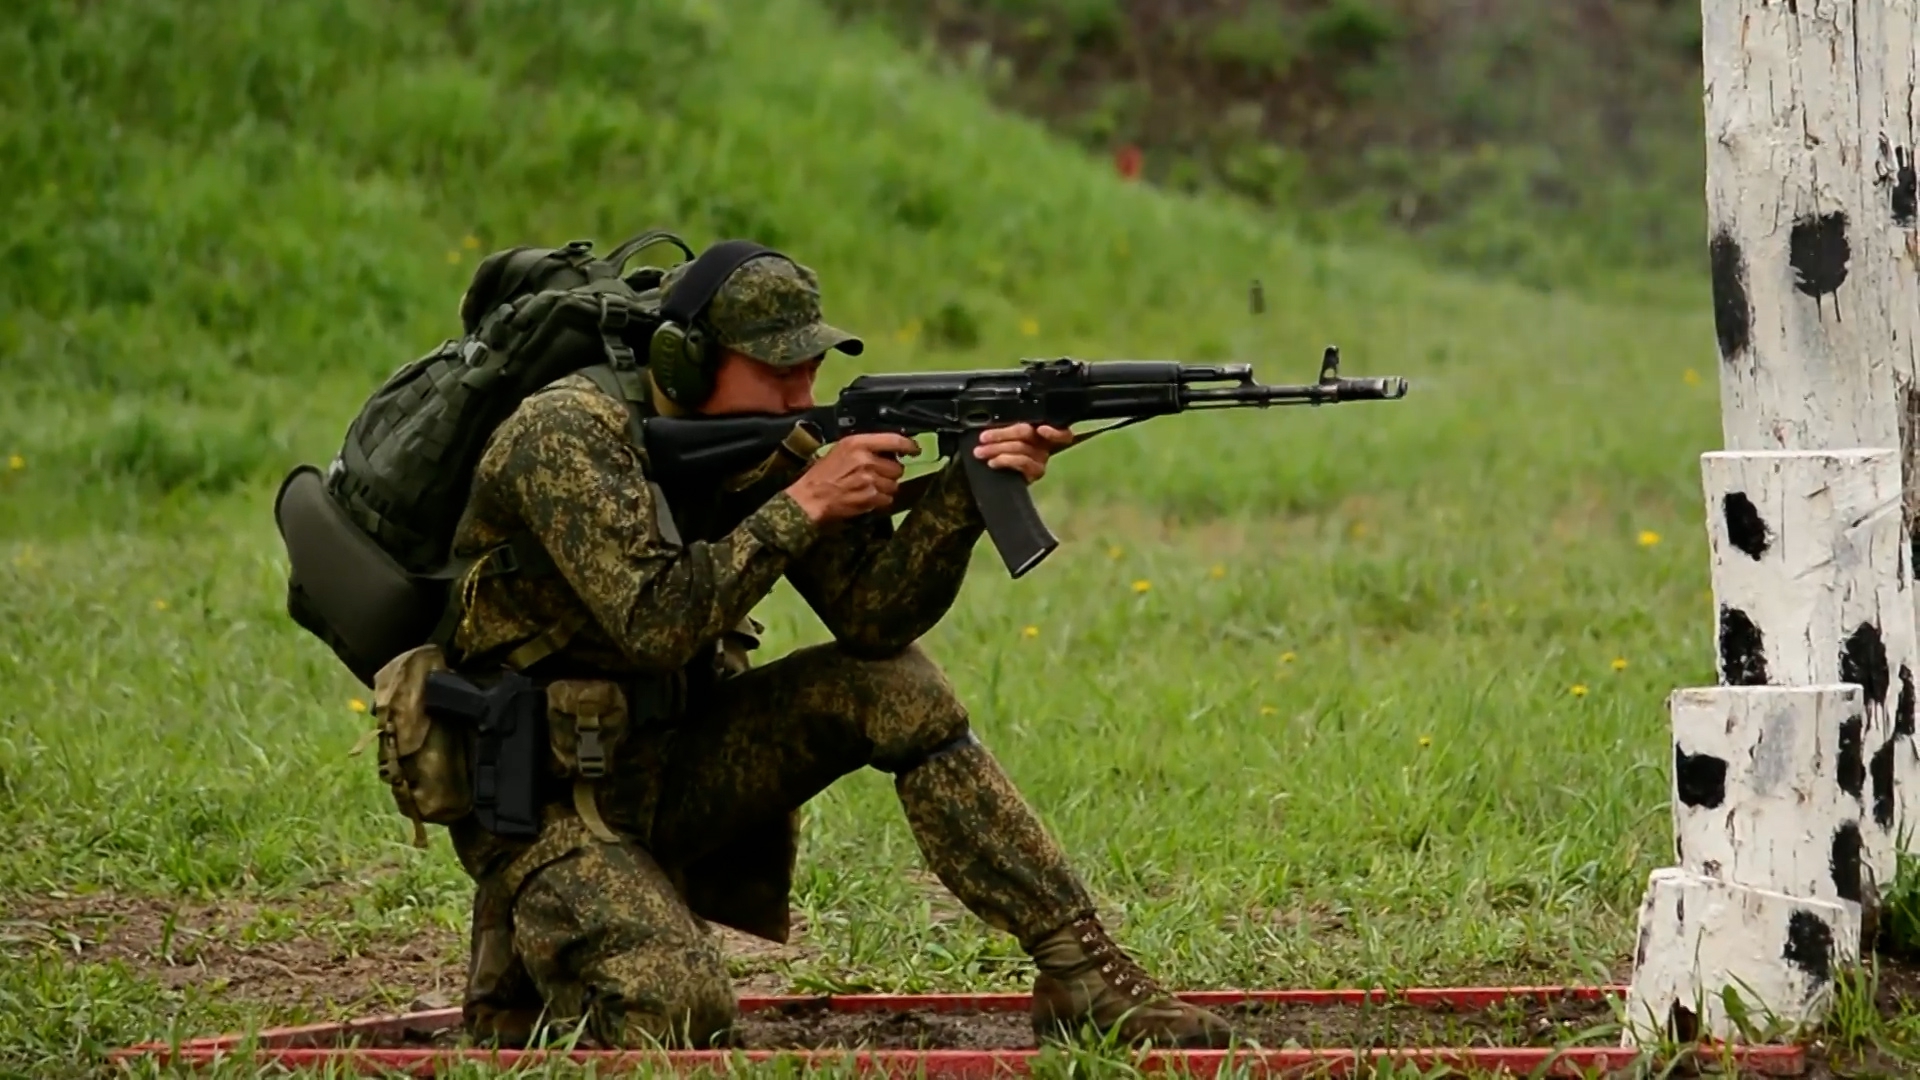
(369, 540)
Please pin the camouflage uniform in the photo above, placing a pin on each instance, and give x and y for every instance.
(703, 806)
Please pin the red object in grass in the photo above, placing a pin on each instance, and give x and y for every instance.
(1127, 160)
(325, 1044)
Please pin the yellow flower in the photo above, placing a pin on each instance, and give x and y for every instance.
(1619, 663)
(159, 605)
(356, 705)
(1114, 551)
(1578, 689)
(1029, 326)
(908, 332)
(15, 462)
(453, 258)
(1218, 571)
(1288, 657)
(1648, 538)
(1268, 710)
(1142, 585)
(1426, 741)
(1358, 529)
(1691, 377)
(471, 243)
(1031, 631)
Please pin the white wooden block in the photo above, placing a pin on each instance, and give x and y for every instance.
(1766, 788)
(1812, 588)
(1701, 937)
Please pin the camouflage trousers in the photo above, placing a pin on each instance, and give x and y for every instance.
(604, 934)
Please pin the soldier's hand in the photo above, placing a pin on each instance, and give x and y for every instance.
(858, 475)
(1023, 447)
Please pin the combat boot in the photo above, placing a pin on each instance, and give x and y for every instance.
(1086, 979)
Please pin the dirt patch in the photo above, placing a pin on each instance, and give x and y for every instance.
(811, 1026)
(305, 957)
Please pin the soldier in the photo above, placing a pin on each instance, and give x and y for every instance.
(604, 917)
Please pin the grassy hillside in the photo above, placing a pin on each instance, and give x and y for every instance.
(1367, 693)
(1555, 142)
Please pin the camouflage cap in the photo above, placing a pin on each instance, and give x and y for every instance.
(769, 309)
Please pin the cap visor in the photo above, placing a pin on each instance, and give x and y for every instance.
(790, 347)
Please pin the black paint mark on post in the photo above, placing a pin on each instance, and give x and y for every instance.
(1700, 778)
(1732, 311)
(1818, 251)
(1743, 657)
(1810, 945)
(1744, 527)
(1906, 197)
(1853, 756)
(1844, 861)
(1882, 770)
(1863, 660)
(1903, 712)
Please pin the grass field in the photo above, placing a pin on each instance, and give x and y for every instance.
(1315, 698)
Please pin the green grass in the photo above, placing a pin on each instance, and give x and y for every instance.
(1363, 723)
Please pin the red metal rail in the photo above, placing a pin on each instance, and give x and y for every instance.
(332, 1045)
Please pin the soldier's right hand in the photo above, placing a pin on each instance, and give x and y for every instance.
(858, 475)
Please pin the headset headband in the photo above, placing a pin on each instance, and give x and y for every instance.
(692, 293)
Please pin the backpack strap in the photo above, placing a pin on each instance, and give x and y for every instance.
(639, 403)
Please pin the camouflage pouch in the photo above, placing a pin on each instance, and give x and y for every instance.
(423, 760)
(587, 721)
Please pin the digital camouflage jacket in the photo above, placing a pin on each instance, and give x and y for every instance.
(629, 595)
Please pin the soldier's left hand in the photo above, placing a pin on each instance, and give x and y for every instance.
(1022, 447)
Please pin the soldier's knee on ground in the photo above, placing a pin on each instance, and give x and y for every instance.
(608, 941)
(909, 710)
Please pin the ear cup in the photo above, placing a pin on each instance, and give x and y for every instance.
(679, 361)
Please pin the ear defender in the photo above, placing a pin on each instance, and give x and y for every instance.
(680, 354)
(681, 364)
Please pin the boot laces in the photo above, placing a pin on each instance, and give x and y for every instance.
(1120, 970)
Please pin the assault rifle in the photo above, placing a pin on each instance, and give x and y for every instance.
(958, 406)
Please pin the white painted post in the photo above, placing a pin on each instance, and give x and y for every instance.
(1812, 587)
(1811, 115)
(1810, 124)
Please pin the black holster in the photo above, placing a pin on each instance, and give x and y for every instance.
(509, 724)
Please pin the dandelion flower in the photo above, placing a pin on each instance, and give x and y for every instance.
(1218, 571)
(1288, 657)
(1268, 710)
(159, 605)
(1619, 663)
(1648, 538)
(1031, 631)
(471, 243)
(1114, 551)
(356, 705)
(1426, 741)
(1578, 689)
(1691, 377)
(1142, 585)
(453, 258)
(1029, 326)
(15, 462)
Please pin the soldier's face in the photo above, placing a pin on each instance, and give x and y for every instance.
(744, 385)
